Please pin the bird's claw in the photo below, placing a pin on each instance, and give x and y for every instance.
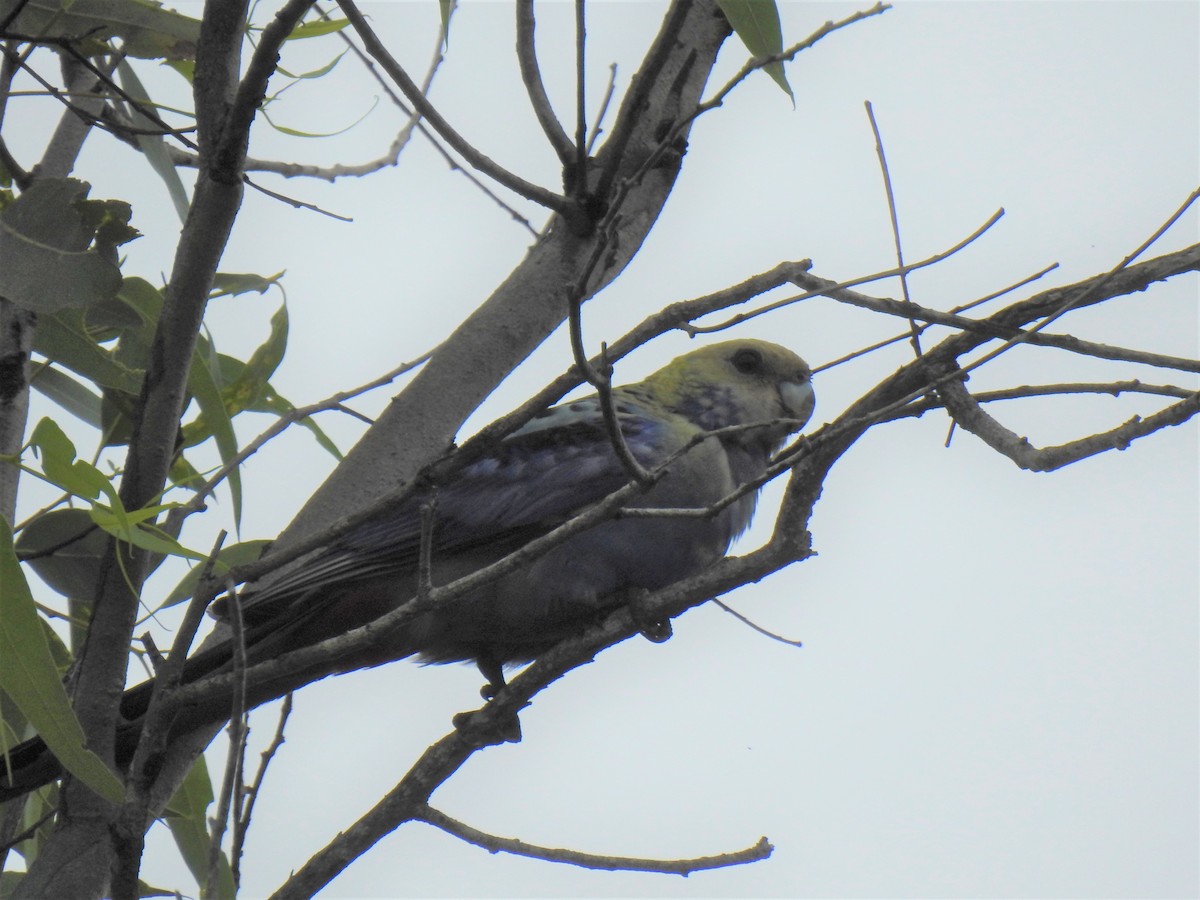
(651, 627)
(657, 632)
(494, 673)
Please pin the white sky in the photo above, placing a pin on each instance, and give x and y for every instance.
(997, 695)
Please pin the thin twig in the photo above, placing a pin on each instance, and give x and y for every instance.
(955, 311)
(413, 115)
(763, 631)
(827, 288)
(787, 55)
(1094, 288)
(601, 380)
(478, 160)
(242, 825)
(425, 552)
(895, 222)
(581, 129)
(167, 678)
(997, 328)
(531, 77)
(604, 104)
(495, 844)
(281, 424)
(235, 758)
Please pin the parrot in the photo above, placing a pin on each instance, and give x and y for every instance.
(542, 474)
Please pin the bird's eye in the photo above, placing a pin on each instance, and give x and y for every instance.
(747, 361)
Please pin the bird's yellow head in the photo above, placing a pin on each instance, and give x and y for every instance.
(737, 383)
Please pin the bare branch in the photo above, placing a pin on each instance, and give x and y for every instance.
(999, 326)
(601, 379)
(967, 413)
(604, 104)
(231, 783)
(513, 182)
(1090, 292)
(819, 287)
(578, 184)
(957, 309)
(1115, 389)
(914, 332)
(531, 75)
(242, 825)
(495, 844)
(489, 725)
(755, 626)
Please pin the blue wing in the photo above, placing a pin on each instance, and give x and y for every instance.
(538, 477)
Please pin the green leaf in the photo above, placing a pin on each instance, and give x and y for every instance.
(756, 22)
(313, 73)
(142, 304)
(60, 466)
(30, 679)
(66, 547)
(227, 558)
(129, 526)
(184, 474)
(148, 30)
(272, 402)
(109, 319)
(153, 147)
(108, 220)
(185, 67)
(44, 261)
(317, 28)
(233, 283)
(63, 338)
(71, 395)
(185, 816)
(446, 8)
(203, 383)
(252, 380)
(295, 132)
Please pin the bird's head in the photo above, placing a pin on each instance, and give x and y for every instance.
(738, 383)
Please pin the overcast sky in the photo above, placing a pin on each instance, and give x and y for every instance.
(997, 693)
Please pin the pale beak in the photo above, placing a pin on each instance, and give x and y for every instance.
(798, 399)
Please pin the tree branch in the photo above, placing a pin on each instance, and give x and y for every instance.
(532, 77)
(967, 413)
(495, 844)
(484, 164)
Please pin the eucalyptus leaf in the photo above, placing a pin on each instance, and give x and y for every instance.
(45, 263)
(756, 22)
(30, 678)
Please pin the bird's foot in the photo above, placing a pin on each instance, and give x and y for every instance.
(652, 628)
(493, 671)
